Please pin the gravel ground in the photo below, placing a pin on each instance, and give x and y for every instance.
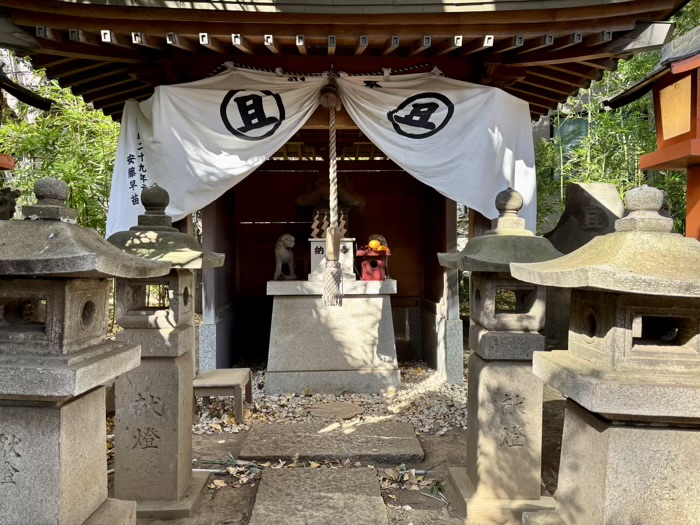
(424, 400)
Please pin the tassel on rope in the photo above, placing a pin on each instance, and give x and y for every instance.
(333, 272)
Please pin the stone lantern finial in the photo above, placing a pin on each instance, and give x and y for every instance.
(51, 195)
(643, 205)
(154, 237)
(155, 199)
(509, 202)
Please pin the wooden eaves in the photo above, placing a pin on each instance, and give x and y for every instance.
(541, 52)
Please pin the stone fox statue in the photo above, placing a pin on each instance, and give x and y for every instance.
(284, 255)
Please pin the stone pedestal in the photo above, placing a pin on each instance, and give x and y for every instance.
(612, 473)
(331, 349)
(504, 415)
(54, 359)
(631, 441)
(504, 430)
(153, 431)
(53, 460)
(153, 441)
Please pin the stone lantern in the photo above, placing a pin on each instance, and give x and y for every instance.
(153, 424)
(504, 432)
(54, 359)
(631, 441)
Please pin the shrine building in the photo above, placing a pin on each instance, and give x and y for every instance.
(540, 52)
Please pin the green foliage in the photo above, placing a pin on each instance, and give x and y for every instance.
(71, 142)
(609, 144)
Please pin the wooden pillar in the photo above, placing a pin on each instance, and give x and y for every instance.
(692, 217)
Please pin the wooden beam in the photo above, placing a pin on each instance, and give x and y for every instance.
(549, 85)
(603, 65)
(95, 71)
(686, 64)
(110, 92)
(78, 35)
(447, 27)
(447, 46)
(42, 62)
(393, 44)
(536, 43)
(567, 77)
(578, 70)
(566, 56)
(271, 45)
(566, 41)
(479, 44)
(241, 43)
(331, 45)
(500, 75)
(45, 33)
(101, 83)
(421, 45)
(539, 16)
(538, 92)
(119, 99)
(208, 41)
(180, 42)
(598, 38)
(301, 44)
(531, 99)
(110, 37)
(145, 40)
(99, 53)
(508, 44)
(361, 45)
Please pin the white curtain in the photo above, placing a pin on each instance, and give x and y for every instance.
(199, 139)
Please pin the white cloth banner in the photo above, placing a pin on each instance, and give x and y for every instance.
(467, 141)
(199, 139)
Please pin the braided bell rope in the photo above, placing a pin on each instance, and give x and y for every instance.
(333, 273)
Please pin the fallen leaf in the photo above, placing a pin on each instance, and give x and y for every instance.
(313, 464)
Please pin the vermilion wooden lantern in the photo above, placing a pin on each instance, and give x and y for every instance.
(678, 132)
(7, 162)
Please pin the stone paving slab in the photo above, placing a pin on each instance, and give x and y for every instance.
(385, 442)
(319, 497)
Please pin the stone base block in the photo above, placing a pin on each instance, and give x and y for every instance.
(153, 425)
(486, 511)
(172, 510)
(513, 346)
(504, 429)
(327, 349)
(368, 381)
(43, 378)
(612, 473)
(548, 517)
(114, 512)
(160, 342)
(641, 395)
(53, 468)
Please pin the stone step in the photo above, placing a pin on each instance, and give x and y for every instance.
(385, 442)
(304, 496)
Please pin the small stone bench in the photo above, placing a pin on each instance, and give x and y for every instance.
(225, 382)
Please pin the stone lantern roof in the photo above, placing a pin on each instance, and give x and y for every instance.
(643, 256)
(507, 242)
(50, 244)
(154, 237)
